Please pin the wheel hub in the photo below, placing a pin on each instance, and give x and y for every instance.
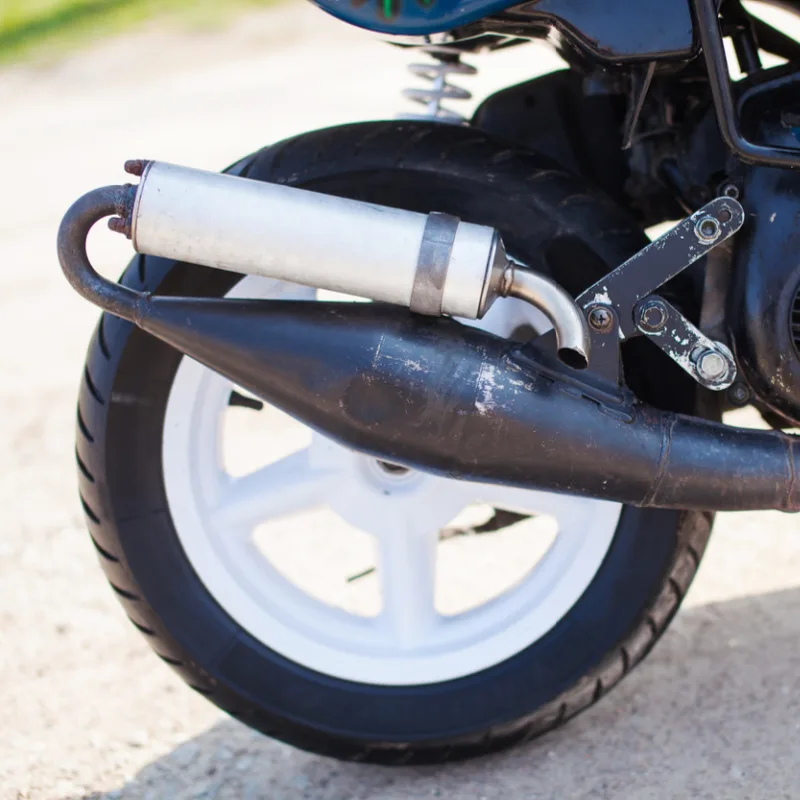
(392, 469)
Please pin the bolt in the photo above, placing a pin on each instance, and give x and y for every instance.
(120, 225)
(730, 190)
(117, 224)
(711, 365)
(601, 318)
(739, 394)
(652, 315)
(707, 229)
(136, 166)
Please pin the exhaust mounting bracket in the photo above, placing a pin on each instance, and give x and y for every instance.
(613, 305)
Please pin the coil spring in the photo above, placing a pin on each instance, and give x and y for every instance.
(447, 62)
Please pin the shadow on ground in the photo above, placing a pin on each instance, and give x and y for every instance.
(714, 712)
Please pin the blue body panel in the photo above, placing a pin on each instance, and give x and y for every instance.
(622, 27)
(411, 17)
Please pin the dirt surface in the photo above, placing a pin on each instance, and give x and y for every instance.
(86, 710)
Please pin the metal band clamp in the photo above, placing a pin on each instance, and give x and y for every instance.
(434, 259)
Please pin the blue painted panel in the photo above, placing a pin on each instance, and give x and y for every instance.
(612, 27)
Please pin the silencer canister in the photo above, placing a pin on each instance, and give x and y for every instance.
(432, 263)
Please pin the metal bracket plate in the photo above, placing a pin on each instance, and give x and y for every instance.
(710, 363)
(619, 293)
(663, 259)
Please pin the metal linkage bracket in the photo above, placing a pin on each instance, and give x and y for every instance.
(710, 363)
(610, 304)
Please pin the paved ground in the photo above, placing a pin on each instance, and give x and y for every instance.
(85, 709)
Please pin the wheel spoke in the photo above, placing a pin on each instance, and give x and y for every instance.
(407, 576)
(287, 486)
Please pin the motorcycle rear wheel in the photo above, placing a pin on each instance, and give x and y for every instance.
(389, 704)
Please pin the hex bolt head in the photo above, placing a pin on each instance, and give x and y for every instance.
(707, 229)
(652, 316)
(711, 365)
(601, 318)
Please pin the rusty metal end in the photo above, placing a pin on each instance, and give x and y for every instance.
(118, 225)
(136, 166)
(123, 222)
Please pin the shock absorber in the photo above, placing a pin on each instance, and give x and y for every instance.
(447, 62)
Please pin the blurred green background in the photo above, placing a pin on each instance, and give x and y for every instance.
(47, 28)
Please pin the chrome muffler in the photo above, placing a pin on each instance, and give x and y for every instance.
(425, 393)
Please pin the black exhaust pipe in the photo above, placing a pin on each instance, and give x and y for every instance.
(439, 396)
(443, 397)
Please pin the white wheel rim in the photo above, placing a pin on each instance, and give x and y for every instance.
(408, 642)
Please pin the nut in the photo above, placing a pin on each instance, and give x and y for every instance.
(707, 229)
(652, 315)
(729, 190)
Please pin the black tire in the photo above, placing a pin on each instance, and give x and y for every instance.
(546, 216)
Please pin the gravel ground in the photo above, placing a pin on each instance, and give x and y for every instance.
(86, 711)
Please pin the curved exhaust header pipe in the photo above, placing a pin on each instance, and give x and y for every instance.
(431, 393)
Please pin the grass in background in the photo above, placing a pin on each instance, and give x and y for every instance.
(51, 27)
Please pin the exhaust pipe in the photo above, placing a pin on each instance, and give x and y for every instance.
(436, 395)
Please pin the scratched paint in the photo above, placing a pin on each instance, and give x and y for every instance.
(377, 355)
(485, 403)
